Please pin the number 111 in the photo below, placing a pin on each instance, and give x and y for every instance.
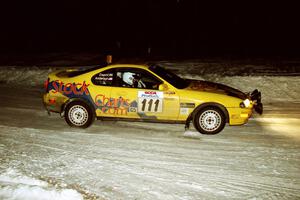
(150, 102)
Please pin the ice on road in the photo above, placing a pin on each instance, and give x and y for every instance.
(40, 154)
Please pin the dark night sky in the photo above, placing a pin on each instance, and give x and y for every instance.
(169, 27)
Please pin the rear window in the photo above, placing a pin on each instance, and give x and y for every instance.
(104, 78)
(86, 70)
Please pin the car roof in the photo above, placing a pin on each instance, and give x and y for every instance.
(142, 66)
(105, 67)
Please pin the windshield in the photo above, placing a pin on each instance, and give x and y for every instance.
(170, 77)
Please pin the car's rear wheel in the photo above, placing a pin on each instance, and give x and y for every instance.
(209, 120)
(79, 114)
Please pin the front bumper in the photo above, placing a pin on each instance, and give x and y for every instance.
(239, 116)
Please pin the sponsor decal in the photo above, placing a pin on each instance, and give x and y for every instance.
(187, 105)
(184, 111)
(115, 106)
(150, 101)
(70, 88)
(132, 109)
(150, 94)
(52, 100)
(104, 77)
(169, 92)
(102, 100)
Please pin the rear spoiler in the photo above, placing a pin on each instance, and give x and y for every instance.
(255, 96)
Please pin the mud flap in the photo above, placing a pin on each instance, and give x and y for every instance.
(187, 123)
(48, 111)
(259, 108)
(256, 98)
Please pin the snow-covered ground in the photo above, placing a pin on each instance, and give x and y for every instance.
(42, 158)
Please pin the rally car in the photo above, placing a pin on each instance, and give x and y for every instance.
(146, 93)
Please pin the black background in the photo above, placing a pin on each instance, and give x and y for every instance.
(173, 28)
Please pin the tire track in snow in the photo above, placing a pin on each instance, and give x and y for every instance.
(131, 160)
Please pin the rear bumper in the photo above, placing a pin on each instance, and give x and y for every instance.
(52, 104)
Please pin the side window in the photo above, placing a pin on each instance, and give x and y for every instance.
(150, 81)
(105, 78)
(136, 78)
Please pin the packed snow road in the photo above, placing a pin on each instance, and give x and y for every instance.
(43, 158)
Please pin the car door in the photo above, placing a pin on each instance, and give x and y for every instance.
(100, 92)
(136, 95)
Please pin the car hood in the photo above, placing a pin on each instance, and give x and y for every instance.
(207, 86)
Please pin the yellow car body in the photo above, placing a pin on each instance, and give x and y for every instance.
(161, 98)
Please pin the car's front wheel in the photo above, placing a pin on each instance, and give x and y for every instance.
(79, 114)
(209, 120)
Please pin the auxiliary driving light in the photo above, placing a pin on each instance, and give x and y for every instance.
(245, 104)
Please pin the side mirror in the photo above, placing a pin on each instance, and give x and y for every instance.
(163, 87)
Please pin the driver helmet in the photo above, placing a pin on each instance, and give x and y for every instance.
(128, 77)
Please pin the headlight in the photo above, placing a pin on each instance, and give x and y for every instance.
(245, 104)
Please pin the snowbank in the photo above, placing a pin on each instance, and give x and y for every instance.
(275, 84)
(27, 76)
(15, 186)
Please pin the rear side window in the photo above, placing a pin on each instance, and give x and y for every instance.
(105, 78)
(83, 70)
